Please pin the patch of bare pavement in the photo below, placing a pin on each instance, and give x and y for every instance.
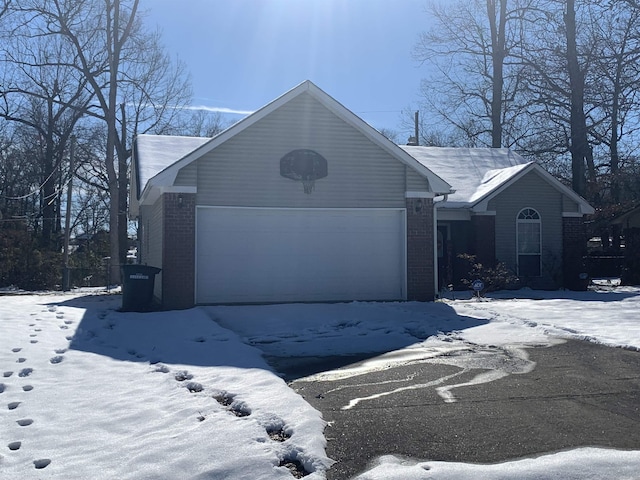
(575, 394)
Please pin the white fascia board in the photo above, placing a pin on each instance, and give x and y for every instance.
(486, 213)
(454, 214)
(419, 195)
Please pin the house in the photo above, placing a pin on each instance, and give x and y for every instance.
(506, 209)
(304, 201)
(300, 201)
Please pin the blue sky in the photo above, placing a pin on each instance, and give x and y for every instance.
(244, 53)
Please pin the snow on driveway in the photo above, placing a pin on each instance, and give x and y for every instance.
(88, 392)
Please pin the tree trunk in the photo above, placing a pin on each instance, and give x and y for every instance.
(579, 148)
(498, 29)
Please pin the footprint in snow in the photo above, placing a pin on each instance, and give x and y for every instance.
(14, 445)
(56, 359)
(2, 386)
(27, 388)
(24, 422)
(60, 315)
(194, 387)
(16, 350)
(33, 335)
(182, 376)
(7, 374)
(60, 351)
(25, 372)
(33, 341)
(21, 360)
(13, 405)
(277, 433)
(63, 327)
(41, 463)
(68, 322)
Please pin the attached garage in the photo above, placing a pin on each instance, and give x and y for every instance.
(301, 201)
(246, 255)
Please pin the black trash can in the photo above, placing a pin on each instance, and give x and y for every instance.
(137, 287)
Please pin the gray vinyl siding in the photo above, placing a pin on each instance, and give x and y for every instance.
(416, 182)
(569, 205)
(188, 176)
(245, 170)
(534, 192)
(152, 226)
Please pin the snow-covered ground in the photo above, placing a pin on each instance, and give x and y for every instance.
(88, 392)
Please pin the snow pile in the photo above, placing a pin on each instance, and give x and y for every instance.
(97, 394)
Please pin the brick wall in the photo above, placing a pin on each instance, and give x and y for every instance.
(178, 252)
(574, 249)
(420, 250)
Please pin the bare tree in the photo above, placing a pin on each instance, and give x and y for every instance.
(42, 93)
(476, 85)
(617, 69)
(131, 82)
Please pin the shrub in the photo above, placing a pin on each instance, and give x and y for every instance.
(496, 277)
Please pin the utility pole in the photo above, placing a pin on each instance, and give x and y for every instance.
(66, 274)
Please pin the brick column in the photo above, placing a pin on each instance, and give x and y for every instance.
(574, 249)
(420, 250)
(178, 251)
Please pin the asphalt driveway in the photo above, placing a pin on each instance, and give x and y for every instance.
(578, 394)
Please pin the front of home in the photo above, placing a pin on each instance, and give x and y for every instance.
(508, 210)
(303, 201)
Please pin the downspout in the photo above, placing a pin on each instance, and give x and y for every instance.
(435, 244)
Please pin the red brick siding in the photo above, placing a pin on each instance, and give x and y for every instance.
(420, 250)
(178, 252)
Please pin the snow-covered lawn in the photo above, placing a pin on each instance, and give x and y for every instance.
(88, 392)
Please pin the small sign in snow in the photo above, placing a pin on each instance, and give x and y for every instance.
(477, 285)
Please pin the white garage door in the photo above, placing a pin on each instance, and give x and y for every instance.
(246, 255)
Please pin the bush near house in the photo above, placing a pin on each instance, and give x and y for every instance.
(496, 277)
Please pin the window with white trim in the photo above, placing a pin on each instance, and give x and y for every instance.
(529, 242)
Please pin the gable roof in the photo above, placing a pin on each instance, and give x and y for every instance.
(479, 174)
(165, 175)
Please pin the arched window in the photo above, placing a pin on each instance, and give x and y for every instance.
(529, 242)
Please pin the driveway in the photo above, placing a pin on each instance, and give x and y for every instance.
(576, 394)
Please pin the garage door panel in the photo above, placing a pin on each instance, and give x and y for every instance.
(277, 255)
